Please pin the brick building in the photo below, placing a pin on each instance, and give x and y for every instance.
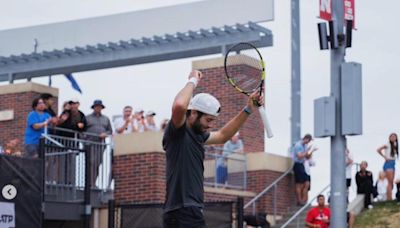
(16, 103)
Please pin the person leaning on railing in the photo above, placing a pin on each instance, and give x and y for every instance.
(37, 121)
(234, 145)
(72, 119)
(99, 128)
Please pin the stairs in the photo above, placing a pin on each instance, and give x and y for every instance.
(297, 222)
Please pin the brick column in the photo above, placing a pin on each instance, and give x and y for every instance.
(215, 83)
(139, 178)
(15, 104)
(139, 168)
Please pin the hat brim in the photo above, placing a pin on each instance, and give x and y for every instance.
(98, 105)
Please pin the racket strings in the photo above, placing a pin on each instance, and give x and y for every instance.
(244, 68)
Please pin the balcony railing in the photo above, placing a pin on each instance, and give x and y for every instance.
(225, 168)
(66, 165)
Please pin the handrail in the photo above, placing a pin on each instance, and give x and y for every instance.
(259, 195)
(304, 207)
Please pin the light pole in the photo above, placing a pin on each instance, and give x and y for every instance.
(338, 141)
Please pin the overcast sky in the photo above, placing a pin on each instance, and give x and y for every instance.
(374, 46)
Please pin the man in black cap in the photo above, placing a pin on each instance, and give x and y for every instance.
(150, 123)
(98, 127)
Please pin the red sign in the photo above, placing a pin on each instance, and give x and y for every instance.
(325, 9)
(349, 13)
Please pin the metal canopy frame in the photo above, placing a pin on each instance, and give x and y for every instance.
(132, 52)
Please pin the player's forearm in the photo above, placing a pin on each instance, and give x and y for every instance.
(182, 99)
(233, 125)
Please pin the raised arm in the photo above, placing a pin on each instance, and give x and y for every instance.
(380, 149)
(182, 99)
(230, 128)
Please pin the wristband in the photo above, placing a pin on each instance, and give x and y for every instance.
(194, 81)
(247, 110)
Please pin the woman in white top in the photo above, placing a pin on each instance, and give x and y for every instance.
(390, 152)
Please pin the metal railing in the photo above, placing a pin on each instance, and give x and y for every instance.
(262, 193)
(296, 215)
(65, 164)
(223, 168)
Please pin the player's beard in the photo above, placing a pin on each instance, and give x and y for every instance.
(197, 127)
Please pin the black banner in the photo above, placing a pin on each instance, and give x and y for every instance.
(216, 215)
(21, 185)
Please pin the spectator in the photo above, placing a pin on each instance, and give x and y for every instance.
(364, 181)
(163, 124)
(150, 124)
(397, 182)
(11, 148)
(124, 124)
(66, 105)
(99, 127)
(49, 102)
(351, 219)
(349, 164)
(308, 163)
(319, 216)
(72, 119)
(381, 186)
(37, 121)
(139, 121)
(390, 152)
(234, 145)
(299, 154)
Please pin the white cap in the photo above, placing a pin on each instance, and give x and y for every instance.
(205, 103)
(150, 113)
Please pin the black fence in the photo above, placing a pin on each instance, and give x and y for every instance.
(216, 214)
(22, 192)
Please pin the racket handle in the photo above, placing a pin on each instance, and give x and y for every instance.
(265, 121)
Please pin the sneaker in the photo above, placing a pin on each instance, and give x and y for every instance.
(370, 206)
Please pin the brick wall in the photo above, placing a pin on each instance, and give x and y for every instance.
(139, 177)
(21, 103)
(215, 83)
(259, 180)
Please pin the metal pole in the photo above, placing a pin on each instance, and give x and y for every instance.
(295, 119)
(111, 213)
(338, 142)
(87, 203)
(240, 212)
(42, 156)
(275, 187)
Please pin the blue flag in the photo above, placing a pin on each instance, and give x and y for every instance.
(74, 84)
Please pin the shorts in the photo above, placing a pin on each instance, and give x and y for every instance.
(185, 217)
(300, 175)
(222, 174)
(390, 164)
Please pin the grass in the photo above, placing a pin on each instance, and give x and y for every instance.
(383, 215)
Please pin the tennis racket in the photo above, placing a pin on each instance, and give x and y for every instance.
(245, 71)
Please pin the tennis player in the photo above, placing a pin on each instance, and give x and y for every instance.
(184, 140)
